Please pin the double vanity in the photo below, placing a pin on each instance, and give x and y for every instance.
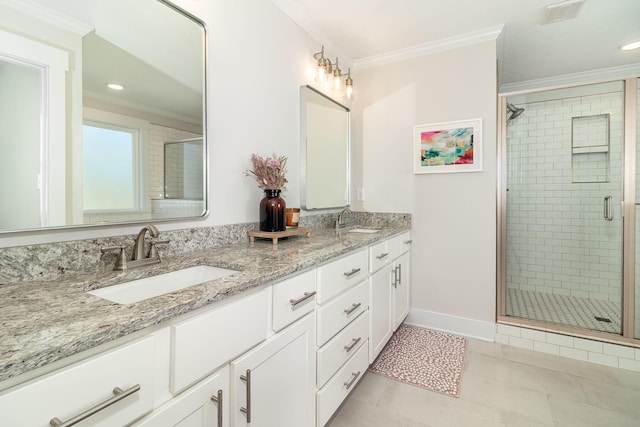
(263, 334)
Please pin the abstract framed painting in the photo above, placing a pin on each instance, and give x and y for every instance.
(448, 147)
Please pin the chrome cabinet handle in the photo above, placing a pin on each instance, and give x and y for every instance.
(608, 208)
(304, 297)
(408, 242)
(352, 272)
(247, 411)
(218, 400)
(384, 255)
(353, 343)
(118, 395)
(353, 308)
(394, 279)
(354, 376)
(399, 273)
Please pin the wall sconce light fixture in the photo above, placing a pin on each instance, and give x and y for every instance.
(328, 72)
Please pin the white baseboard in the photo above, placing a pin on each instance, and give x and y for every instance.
(471, 328)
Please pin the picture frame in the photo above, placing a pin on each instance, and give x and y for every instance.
(447, 147)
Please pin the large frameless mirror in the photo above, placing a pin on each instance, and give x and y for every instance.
(92, 92)
(325, 151)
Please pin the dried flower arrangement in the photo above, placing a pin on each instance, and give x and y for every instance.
(269, 171)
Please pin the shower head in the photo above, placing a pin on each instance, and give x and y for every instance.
(513, 112)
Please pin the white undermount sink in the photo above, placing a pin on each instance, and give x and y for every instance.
(149, 287)
(364, 230)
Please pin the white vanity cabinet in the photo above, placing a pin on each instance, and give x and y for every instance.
(274, 383)
(112, 388)
(343, 330)
(206, 404)
(200, 344)
(389, 289)
(381, 325)
(400, 297)
(284, 355)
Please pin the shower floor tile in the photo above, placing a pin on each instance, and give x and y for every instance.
(564, 310)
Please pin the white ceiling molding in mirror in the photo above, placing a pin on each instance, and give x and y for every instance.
(97, 139)
(325, 151)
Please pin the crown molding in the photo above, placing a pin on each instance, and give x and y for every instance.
(49, 16)
(298, 15)
(564, 80)
(467, 39)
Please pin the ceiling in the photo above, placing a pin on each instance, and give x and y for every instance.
(362, 29)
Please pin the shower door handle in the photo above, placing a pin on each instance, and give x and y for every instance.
(608, 208)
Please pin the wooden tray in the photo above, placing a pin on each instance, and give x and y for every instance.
(275, 235)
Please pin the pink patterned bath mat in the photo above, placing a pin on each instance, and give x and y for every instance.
(424, 358)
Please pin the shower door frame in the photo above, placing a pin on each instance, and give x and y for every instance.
(628, 211)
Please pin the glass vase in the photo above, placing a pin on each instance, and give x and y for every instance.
(272, 211)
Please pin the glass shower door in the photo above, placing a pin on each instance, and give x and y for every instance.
(636, 290)
(564, 175)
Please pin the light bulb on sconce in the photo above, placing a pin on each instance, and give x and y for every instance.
(349, 84)
(321, 66)
(337, 76)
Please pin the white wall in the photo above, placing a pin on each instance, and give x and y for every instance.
(19, 160)
(454, 222)
(258, 59)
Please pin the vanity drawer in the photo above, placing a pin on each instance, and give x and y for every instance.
(342, 311)
(201, 344)
(399, 244)
(293, 298)
(333, 394)
(344, 345)
(341, 274)
(379, 256)
(79, 388)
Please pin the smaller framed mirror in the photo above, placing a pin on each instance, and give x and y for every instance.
(325, 151)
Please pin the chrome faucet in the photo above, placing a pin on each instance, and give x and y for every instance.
(138, 257)
(138, 246)
(340, 221)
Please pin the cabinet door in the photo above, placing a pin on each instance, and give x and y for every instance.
(85, 387)
(379, 311)
(206, 404)
(274, 384)
(401, 290)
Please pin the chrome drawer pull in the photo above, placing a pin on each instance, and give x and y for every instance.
(352, 272)
(304, 297)
(354, 342)
(353, 308)
(408, 242)
(118, 395)
(384, 255)
(247, 410)
(355, 376)
(218, 400)
(399, 273)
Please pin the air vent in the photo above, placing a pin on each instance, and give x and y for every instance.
(562, 11)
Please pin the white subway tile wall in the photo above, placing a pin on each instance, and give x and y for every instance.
(558, 241)
(615, 355)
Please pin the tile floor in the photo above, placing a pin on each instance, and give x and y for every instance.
(502, 386)
(564, 310)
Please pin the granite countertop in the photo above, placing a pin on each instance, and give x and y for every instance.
(46, 321)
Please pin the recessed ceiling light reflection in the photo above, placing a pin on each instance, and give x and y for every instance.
(631, 46)
(115, 86)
